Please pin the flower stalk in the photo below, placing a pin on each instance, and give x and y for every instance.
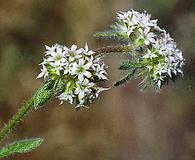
(16, 119)
(115, 49)
(42, 96)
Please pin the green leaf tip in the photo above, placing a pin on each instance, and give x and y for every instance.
(21, 146)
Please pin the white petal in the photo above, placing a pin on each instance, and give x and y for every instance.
(87, 74)
(147, 42)
(71, 59)
(103, 77)
(80, 77)
(79, 51)
(73, 47)
(66, 71)
(90, 52)
(169, 73)
(47, 47)
(88, 65)
(81, 96)
(159, 84)
(86, 47)
(40, 75)
(81, 61)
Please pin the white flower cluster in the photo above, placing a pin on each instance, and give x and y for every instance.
(161, 57)
(164, 60)
(136, 26)
(80, 68)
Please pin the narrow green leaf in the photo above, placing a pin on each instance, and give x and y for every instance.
(21, 146)
(125, 78)
(107, 34)
(125, 65)
(114, 49)
(128, 64)
(112, 35)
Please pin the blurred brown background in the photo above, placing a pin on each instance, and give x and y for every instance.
(124, 124)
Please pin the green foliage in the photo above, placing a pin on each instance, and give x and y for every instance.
(128, 64)
(21, 146)
(125, 78)
(43, 95)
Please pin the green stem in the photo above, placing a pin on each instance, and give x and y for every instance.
(16, 118)
(114, 49)
(42, 96)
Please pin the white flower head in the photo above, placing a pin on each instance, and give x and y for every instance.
(138, 23)
(78, 68)
(81, 69)
(164, 60)
(159, 58)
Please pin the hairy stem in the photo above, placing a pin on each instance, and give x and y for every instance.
(114, 49)
(15, 119)
(42, 96)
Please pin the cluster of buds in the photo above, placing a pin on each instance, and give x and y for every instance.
(157, 56)
(80, 69)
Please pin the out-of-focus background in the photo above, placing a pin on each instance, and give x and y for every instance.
(124, 124)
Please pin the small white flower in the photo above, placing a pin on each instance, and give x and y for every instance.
(87, 51)
(67, 69)
(44, 72)
(50, 50)
(66, 97)
(150, 54)
(179, 55)
(100, 71)
(81, 69)
(124, 15)
(100, 89)
(146, 22)
(159, 70)
(128, 30)
(74, 53)
(147, 36)
(83, 89)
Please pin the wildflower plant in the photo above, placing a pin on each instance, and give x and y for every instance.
(73, 74)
